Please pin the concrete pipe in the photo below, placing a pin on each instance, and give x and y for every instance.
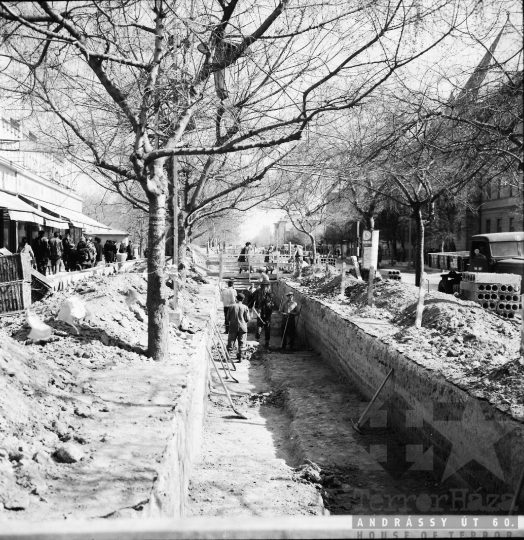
(485, 305)
(480, 296)
(492, 305)
(481, 288)
(503, 288)
(494, 287)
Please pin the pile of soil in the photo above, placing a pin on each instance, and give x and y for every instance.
(46, 397)
(474, 348)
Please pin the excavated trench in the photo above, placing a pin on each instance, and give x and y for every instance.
(298, 452)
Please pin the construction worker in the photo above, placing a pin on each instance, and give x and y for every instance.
(238, 319)
(289, 310)
(264, 304)
(228, 297)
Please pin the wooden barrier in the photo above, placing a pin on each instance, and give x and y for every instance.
(15, 282)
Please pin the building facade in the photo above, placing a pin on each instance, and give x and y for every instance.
(37, 191)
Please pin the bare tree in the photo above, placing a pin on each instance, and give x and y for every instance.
(131, 83)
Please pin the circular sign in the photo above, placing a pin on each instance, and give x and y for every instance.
(366, 235)
(518, 238)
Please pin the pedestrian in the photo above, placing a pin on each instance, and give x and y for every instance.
(228, 297)
(56, 249)
(114, 250)
(122, 248)
(129, 250)
(289, 310)
(264, 304)
(67, 248)
(98, 248)
(83, 259)
(24, 247)
(41, 252)
(108, 251)
(299, 257)
(238, 319)
(243, 258)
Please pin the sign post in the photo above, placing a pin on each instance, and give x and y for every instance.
(343, 281)
(370, 286)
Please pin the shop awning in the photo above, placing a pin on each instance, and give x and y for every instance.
(18, 210)
(93, 231)
(77, 219)
(56, 224)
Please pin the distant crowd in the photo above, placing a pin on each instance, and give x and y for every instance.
(61, 254)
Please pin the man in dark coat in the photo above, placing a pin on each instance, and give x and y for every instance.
(98, 247)
(67, 248)
(243, 257)
(264, 304)
(41, 251)
(108, 251)
(238, 319)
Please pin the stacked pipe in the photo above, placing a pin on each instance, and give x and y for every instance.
(394, 274)
(494, 292)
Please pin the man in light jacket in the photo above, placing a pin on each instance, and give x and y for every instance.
(228, 297)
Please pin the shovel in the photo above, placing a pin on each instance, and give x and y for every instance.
(238, 413)
(358, 425)
(221, 355)
(221, 343)
(285, 330)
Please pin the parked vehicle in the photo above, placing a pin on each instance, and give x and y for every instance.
(499, 253)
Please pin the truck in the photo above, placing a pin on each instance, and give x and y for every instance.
(500, 253)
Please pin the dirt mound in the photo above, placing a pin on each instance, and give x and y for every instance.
(470, 346)
(46, 391)
(326, 284)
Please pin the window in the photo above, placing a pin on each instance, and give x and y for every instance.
(498, 189)
(499, 224)
(507, 249)
(488, 226)
(511, 224)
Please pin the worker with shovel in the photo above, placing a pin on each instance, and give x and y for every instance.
(289, 310)
(263, 307)
(238, 319)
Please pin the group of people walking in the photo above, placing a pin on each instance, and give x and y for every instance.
(52, 255)
(258, 303)
(247, 250)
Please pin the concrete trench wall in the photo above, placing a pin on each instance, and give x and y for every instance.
(421, 404)
(170, 490)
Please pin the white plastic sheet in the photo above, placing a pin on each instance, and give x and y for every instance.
(72, 310)
(39, 329)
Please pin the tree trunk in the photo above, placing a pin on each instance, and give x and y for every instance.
(313, 249)
(419, 262)
(158, 322)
